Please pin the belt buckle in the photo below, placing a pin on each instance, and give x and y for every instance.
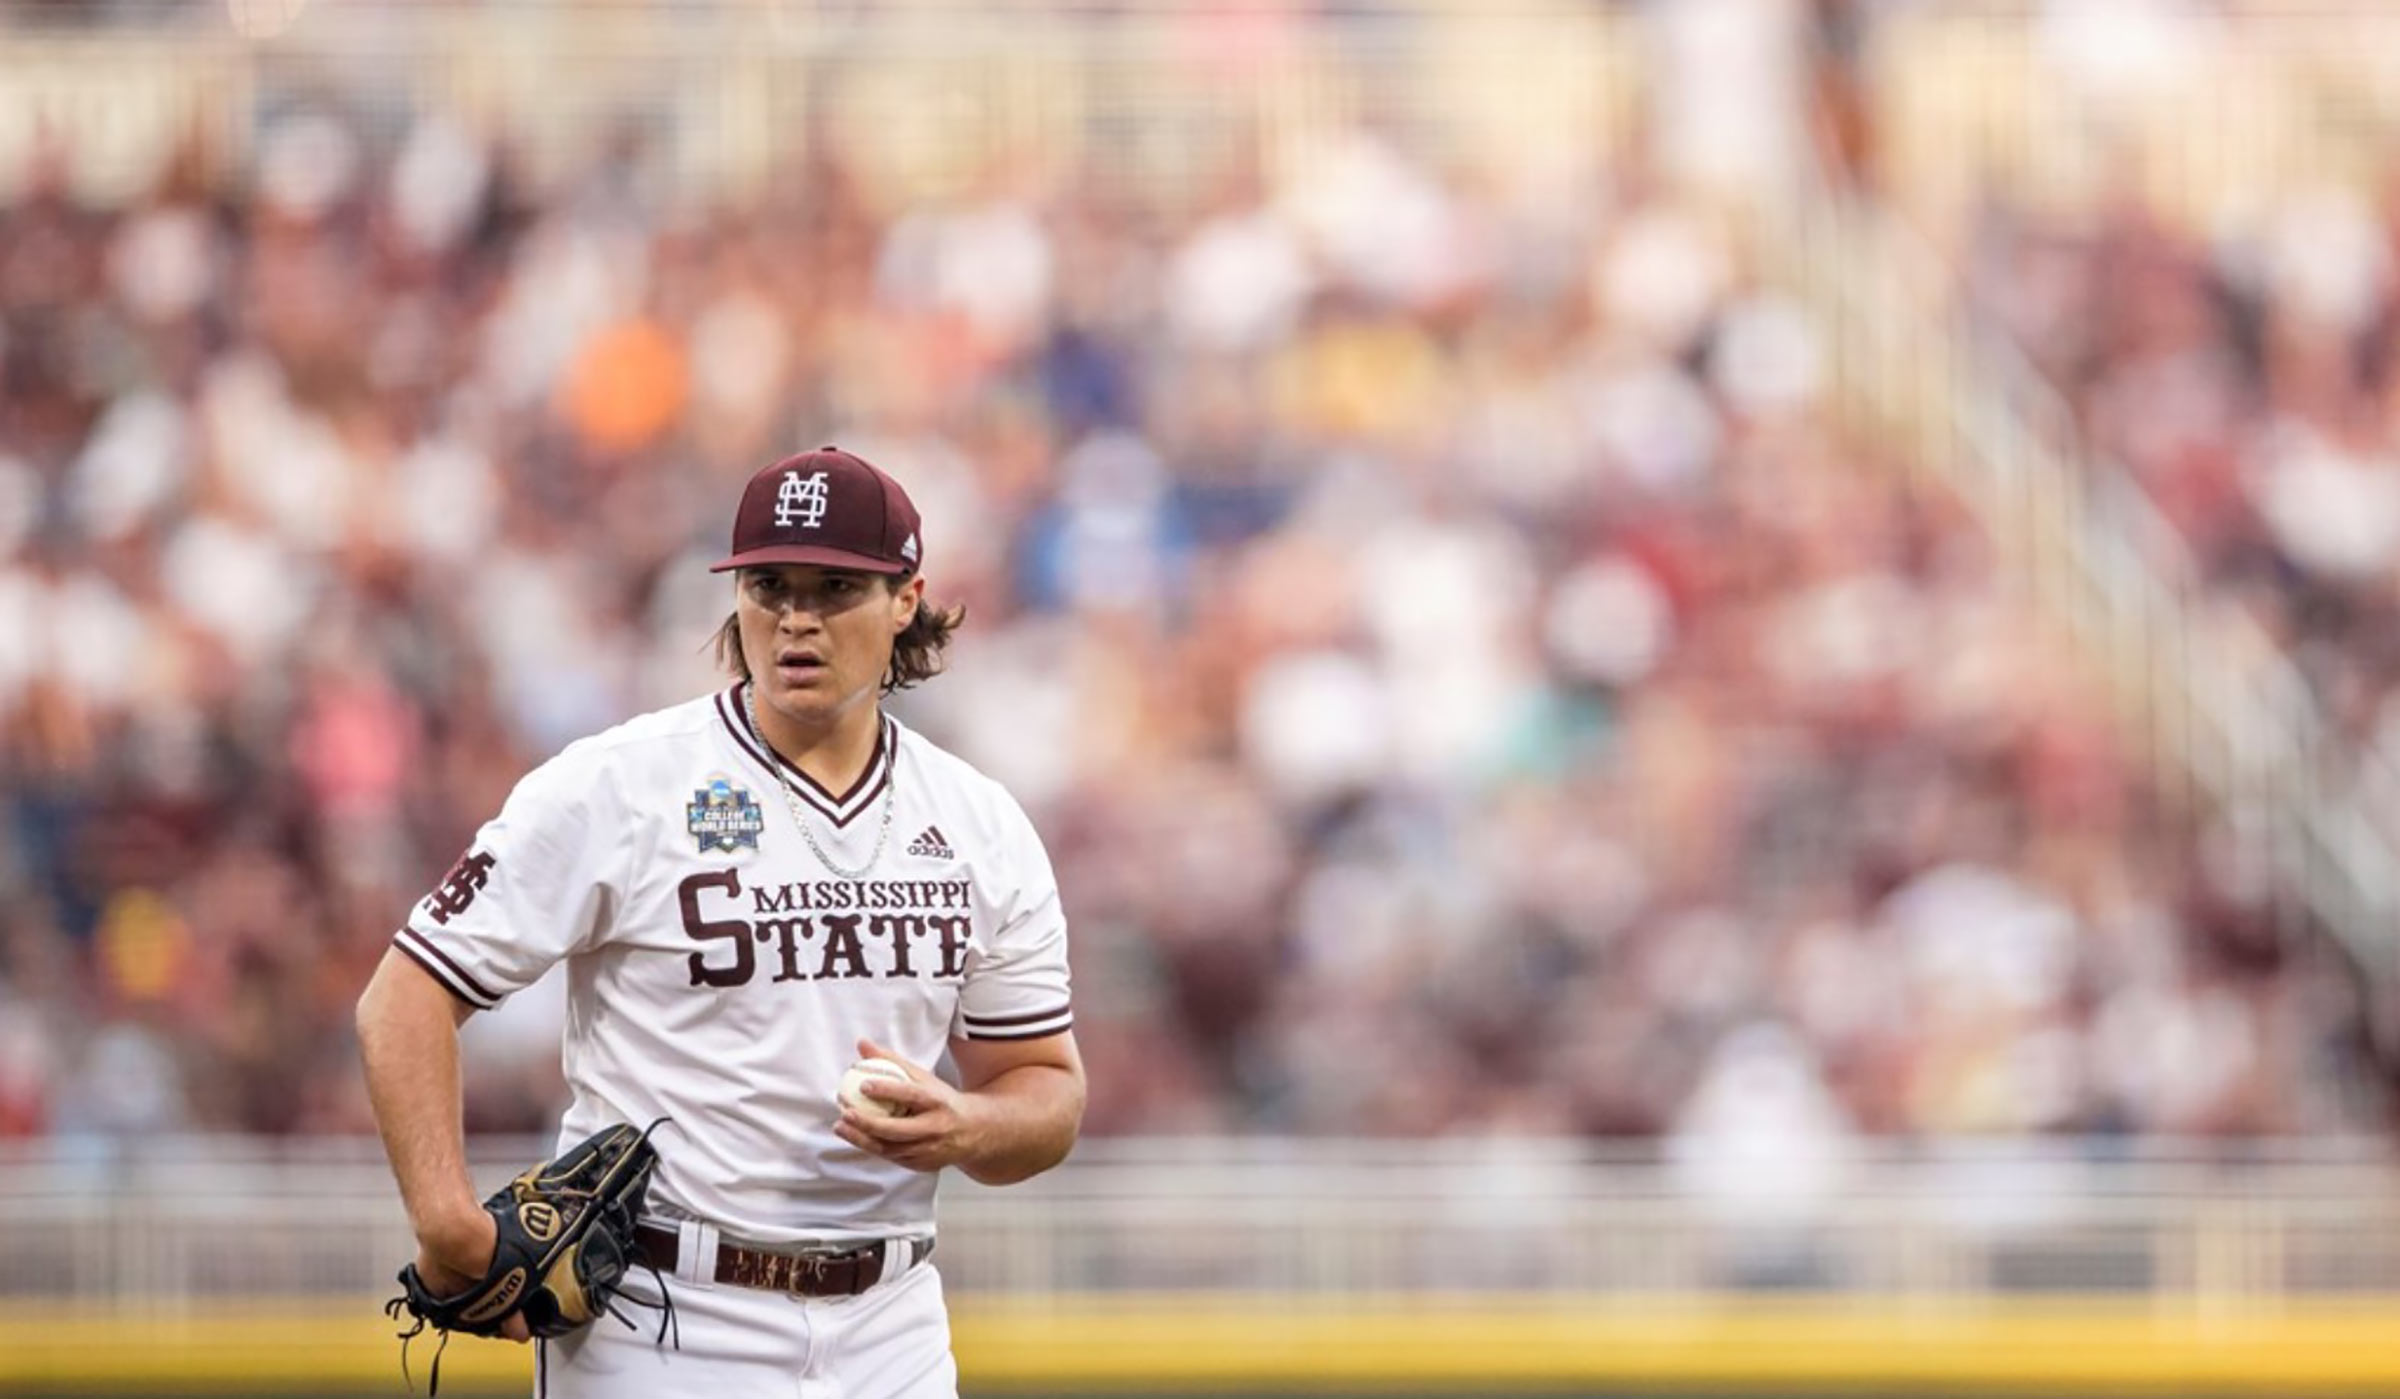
(804, 1272)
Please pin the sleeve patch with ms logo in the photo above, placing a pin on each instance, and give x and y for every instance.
(459, 887)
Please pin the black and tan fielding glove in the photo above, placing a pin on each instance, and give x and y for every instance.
(565, 1240)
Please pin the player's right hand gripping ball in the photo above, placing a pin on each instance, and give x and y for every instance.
(865, 1104)
(565, 1237)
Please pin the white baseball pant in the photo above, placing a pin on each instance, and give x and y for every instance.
(891, 1341)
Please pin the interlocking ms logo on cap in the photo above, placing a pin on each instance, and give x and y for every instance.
(800, 500)
(829, 508)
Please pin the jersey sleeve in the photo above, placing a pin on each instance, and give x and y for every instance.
(540, 880)
(1017, 985)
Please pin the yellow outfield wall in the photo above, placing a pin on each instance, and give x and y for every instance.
(1121, 1343)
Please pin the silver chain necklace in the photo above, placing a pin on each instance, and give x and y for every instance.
(791, 799)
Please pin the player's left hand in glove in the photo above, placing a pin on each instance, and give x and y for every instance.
(565, 1237)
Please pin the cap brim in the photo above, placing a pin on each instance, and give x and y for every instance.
(816, 554)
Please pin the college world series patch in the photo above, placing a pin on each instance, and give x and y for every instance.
(724, 817)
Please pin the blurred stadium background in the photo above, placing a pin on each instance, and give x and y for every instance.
(1714, 682)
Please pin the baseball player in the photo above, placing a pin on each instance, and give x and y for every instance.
(750, 892)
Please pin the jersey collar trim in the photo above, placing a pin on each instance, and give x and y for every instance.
(841, 810)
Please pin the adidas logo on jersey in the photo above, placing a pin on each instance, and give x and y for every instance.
(932, 845)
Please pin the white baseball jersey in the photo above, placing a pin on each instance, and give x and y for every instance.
(719, 973)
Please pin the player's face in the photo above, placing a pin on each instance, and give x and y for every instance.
(819, 640)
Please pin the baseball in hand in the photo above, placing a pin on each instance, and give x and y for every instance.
(863, 1104)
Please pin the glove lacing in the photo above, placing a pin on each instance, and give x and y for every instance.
(664, 1306)
(433, 1379)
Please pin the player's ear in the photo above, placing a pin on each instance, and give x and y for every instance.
(906, 599)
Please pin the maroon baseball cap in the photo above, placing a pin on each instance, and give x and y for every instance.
(825, 507)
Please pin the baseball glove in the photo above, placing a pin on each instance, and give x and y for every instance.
(565, 1239)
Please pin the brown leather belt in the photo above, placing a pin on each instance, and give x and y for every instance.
(811, 1273)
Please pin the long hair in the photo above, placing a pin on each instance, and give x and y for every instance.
(916, 651)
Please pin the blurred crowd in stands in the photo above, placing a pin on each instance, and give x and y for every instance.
(2248, 377)
(1465, 683)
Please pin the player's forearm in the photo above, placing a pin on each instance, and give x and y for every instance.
(1028, 1119)
(408, 1039)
